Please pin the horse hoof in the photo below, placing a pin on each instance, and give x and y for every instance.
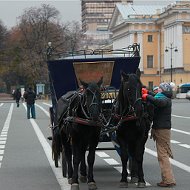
(83, 179)
(123, 184)
(141, 185)
(75, 186)
(134, 180)
(70, 181)
(92, 186)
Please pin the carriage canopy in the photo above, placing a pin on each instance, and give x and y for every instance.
(65, 71)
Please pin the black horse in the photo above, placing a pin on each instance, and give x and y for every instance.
(133, 124)
(79, 129)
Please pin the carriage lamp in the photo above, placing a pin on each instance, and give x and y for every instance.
(171, 47)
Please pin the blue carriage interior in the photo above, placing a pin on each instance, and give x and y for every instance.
(63, 76)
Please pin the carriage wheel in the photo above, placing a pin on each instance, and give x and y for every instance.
(64, 164)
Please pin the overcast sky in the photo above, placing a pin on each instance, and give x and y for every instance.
(69, 10)
(10, 10)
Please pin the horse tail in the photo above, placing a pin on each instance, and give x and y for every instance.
(56, 143)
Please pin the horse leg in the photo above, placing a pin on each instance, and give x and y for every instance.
(139, 159)
(76, 162)
(83, 174)
(68, 156)
(124, 159)
(90, 160)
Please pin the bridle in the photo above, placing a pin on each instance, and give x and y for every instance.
(83, 102)
(128, 113)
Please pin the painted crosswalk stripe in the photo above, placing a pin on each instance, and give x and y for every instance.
(185, 145)
(102, 154)
(174, 142)
(2, 146)
(4, 133)
(3, 136)
(111, 161)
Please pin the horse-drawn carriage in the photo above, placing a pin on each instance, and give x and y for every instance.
(76, 101)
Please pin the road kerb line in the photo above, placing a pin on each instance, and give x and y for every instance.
(47, 149)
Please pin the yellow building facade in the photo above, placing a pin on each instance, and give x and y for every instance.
(163, 33)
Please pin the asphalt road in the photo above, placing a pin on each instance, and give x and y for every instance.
(26, 161)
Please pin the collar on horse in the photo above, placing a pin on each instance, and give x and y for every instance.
(130, 115)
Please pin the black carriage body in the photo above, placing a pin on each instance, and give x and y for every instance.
(64, 78)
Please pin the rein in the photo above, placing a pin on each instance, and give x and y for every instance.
(85, 111)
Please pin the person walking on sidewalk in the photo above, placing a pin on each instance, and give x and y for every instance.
(161, 131)
(30, 97)
(17, 96)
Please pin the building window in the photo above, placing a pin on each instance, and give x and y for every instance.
(150, 85)
(149, 38)
(149, 61)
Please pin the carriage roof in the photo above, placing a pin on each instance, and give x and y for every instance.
(65, 69)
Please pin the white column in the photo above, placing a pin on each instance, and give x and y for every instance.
(140, 41)
(178, 56)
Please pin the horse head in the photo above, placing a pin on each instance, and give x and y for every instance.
(92, 98)
(130, 94)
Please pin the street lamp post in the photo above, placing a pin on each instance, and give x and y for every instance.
(171, 47)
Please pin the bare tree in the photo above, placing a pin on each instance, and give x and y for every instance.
(27, 44)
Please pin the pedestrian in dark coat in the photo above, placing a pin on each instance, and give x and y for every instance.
(161, 131)
(30, 97)
(17, 96)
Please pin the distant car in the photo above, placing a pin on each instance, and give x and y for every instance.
(188, 95)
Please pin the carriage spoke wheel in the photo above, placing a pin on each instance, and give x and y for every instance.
(64, 164)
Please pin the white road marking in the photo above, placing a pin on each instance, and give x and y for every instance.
(111, 161)
(185, 145)
(118, 168)
(47, 104)
(1, 104)
(3, 136)
(174, 142)
(46, 112)
(4, 133)
(47, 149)
(2, 142)
(178, 164)
(174, 162)
(102, 154)
(179, 116)
(2, 146)
(180, 131)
